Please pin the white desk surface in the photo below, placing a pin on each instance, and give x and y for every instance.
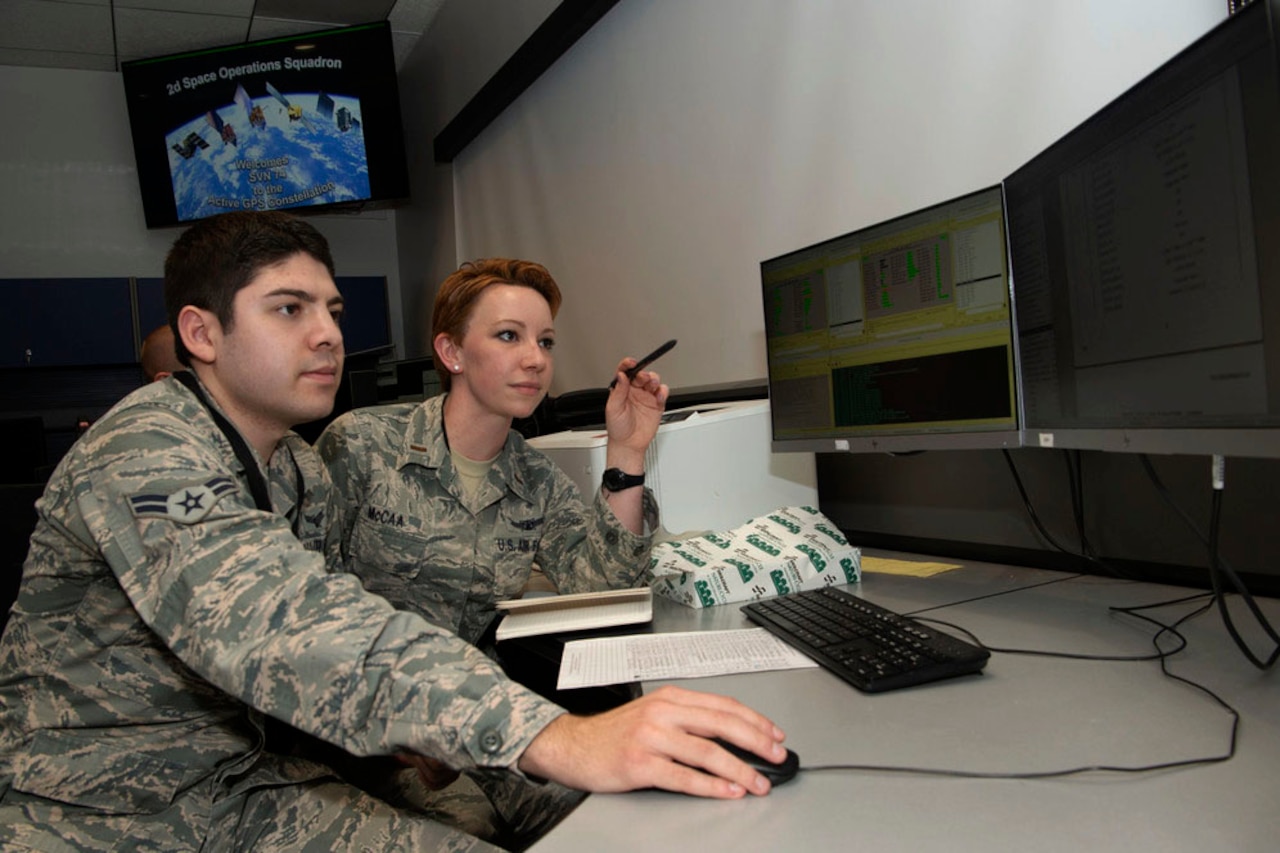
(1023, 714)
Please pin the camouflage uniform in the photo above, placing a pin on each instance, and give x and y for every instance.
(412, 535)
(161, 615)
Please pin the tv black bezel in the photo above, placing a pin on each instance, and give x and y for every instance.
(146, 81)
(909, 438)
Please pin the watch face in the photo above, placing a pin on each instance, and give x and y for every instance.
(615, 479)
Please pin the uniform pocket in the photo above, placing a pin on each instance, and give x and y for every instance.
(89, 771)
(381, 551)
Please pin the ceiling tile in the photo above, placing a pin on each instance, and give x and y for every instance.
(269, 28)
(230, 8)
(151, 33)
(80, 33)
(339, 12)
(57, 59)
(65, 27)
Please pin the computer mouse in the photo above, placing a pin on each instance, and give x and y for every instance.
(783, 771)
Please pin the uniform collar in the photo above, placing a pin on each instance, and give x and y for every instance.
(424, 442)
(425, 445)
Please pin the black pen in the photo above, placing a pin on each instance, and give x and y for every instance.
(646, 361)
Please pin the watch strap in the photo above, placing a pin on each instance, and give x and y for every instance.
(617, 480)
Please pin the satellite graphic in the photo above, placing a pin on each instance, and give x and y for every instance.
(271, 152)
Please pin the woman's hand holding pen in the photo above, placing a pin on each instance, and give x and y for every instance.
(633, 414)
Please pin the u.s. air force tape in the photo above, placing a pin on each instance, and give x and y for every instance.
(185, 505)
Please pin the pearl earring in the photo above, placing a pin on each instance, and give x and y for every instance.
(457, 367)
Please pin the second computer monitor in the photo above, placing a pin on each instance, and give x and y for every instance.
(896, 337)
(1145, 264)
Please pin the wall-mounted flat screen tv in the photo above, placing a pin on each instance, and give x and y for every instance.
(308, 121)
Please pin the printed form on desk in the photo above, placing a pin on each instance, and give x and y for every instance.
(690, 654)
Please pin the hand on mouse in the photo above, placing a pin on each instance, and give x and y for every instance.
(657, 741)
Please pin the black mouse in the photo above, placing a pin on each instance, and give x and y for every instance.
(783, 771)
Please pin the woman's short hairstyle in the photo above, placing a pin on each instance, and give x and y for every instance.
(456, 298)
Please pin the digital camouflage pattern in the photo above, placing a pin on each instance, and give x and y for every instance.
(409, 531)
(161, 614)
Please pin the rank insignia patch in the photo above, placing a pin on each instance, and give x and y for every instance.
(187, 505)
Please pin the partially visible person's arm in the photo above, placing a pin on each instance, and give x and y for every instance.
(341, 445)
(231, 592)
(584, 547)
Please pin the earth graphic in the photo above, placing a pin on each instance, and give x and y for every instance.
(291, 154)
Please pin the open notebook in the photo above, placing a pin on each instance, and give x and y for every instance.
(527, 617)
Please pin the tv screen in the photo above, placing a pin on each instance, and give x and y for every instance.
(1145, 266)
(307, 121)
(896, 337)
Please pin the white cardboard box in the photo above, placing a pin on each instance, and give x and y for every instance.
(710, 467)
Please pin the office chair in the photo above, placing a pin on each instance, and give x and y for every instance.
(582, 408)
(25, 456)
(17, 520)
(576, 409)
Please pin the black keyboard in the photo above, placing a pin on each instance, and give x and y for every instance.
(872, 648)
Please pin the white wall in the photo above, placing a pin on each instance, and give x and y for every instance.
(467, 42)
(678, 144)
(71, 204)
(681, 142)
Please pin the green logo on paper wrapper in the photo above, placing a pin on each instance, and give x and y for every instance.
(704, 593)
(718, 541)
(692, 559)
(850, 574)
(822, 528)
(744, 571)
(785, 522)
(755, 540)
(779, 581)
(814, 557)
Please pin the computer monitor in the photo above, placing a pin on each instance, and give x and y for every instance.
(417, 378)
(896, 337)
(366, 315)
(1145, 252)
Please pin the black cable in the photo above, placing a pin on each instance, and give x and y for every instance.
(1167, 496)
(1075, 478)
(1161, 655)
(994, 594)
(1218, 566)
(1215, 569)
(1031, 511)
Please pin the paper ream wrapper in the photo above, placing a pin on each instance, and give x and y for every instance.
(787, 550)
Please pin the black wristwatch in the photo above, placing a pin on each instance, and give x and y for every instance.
(616, 480)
